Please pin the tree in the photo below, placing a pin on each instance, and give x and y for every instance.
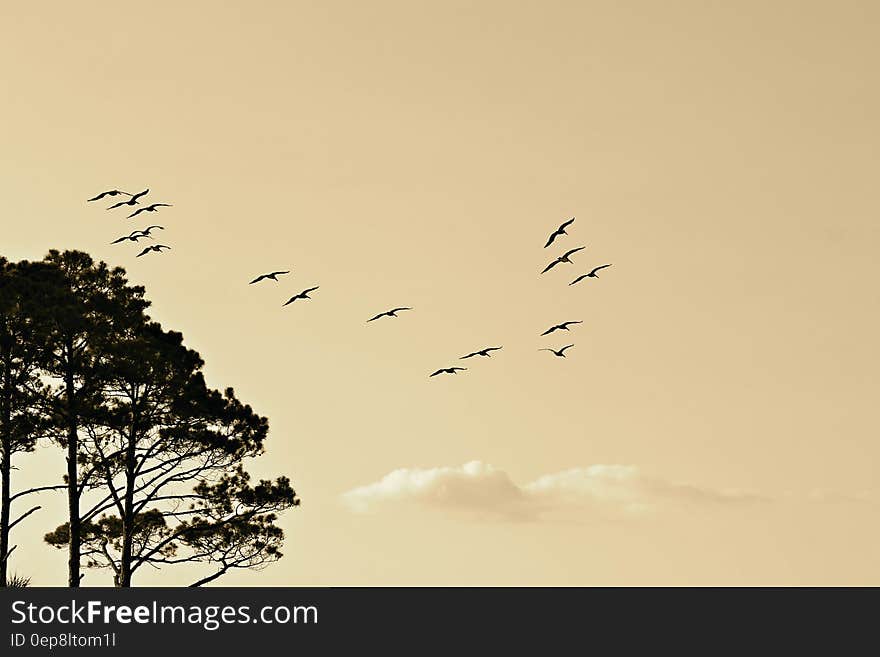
(161, 429)
(23, 323)
(93, 306)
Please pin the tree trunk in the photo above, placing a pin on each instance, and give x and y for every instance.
(124, 579)
(5, 469)
(73, 566)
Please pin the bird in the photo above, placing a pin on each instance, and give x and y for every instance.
(271, 275)
(149, 208)
(146, 231)
(592, 274)
(565, 257)
(561, 352)
(134, 236)
(157, 248)
(481, 352)
(561, 327)
(112, 192)
(302, 295)
(448, 370)
(559, 231)
(132, 201)
(388, 313)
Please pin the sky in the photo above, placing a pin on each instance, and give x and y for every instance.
(715, 423)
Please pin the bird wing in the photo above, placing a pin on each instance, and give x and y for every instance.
(493, 348)
(569, 253)
(549, 330)
(278, 273)
(311, 289)
(121, 239)
(579, 279)
(377, 317)
(566, 224)
(116, 205)
(257, 279)
(436, 373)
(566, 324)
(144, 252)
(161, 205)
(394, 310)
(136, 212)
(458, 369)
(146, 230)
(553, 236)
(98, 197)
(568, 346)
(598, 268)
(550, 266)
(159, 247)
(135, 197)
(469, 355)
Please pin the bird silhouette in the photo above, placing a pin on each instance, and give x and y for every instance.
(481, 352)
(112, 192)
(132, 201)
(561, 327)
(565, 257)
(388, 313)
(134, 236)
(302, 295)
(157, 248)
(561, 352)
(149, 208)
(592, 274)
(559, 231)
(448, 370)
(146, 231)
(271, 275)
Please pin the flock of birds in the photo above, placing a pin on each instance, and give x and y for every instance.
(565, 258)
(135, 235)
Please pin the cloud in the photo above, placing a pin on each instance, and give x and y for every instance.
(482, 488)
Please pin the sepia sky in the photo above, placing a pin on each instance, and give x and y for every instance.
(716, 421)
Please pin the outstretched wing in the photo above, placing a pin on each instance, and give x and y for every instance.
(470, 355)
(377, 317)
(121, 239)
(135, 213)
(568, 346)
(550, 330)
(566, 224)
(278, 273)
(436, 373)
(579, 279)
(116, 205)
(573, 251)
(397, 310)
(552, 237)
(145, 251)
(135, 197)
(598, 268)
(550, 266)
(257, 279)
(311, 289)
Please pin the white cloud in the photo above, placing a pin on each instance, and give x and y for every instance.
(479, 487)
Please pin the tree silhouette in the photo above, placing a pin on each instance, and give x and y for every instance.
(154, 430)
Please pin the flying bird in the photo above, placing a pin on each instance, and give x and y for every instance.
(273, 275)
(157, 248)
(149, 208)
(448, 370)
(132, 201)
(302, 295)
(112, 192)
(561, 352)
(592, 274)
(565, 257)
(134, 236)
(481, 352)
(388, 313)
(146, 231)
(561, 327)
(559, 231)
